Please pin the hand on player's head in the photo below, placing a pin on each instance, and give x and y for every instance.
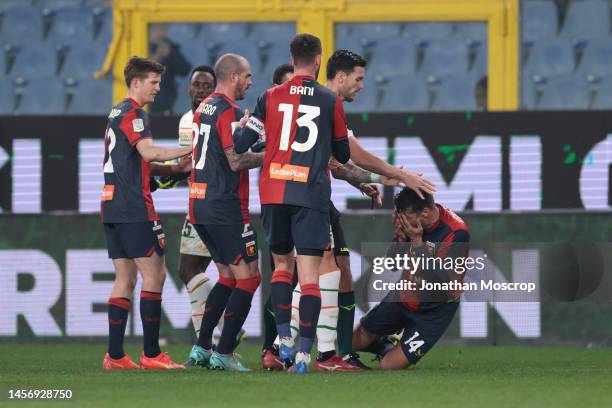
(416, 182)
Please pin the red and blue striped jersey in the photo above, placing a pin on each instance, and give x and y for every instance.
(126, 196)
(304, 123)
(217, 195)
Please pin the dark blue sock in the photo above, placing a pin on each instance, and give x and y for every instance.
(310, 307)
(118, 309)
(150, 313)
(236, 312)
(215, 304)
(282, 291)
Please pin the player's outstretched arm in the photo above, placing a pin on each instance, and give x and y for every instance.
(151, 153)
(375, 164)
(244, 161)
(355, 175)
(180, 170)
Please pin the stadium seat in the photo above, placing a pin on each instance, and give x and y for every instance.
(7, 97)
(447, 56)
(92, 97)
(182, 33)
(57, 4)
(587, 19)
(38, 61)
(22, 26)
(565, 92)
(354, 44)
(71, 25)
(104, 33)
(550, 57)
(480, 66)
(472, 33)
(376, 31)
(196, 54)
(3, 66)
(8, 4)
(82, 61)
(528, 94)
(393, 56)
(43, 97)
(425, 32)
(248, 51)
(538, 20)
(603, 99)
(456, 93)
(597, 58)
(407, 93)
(274, 54)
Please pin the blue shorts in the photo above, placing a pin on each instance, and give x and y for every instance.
(289, 226)
(422, 329)
(229, 243)
(134, 239)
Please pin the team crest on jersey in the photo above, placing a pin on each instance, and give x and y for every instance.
(138, 125)
(161, 239)
(108, 192)
(251, 248)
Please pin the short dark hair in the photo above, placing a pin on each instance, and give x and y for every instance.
(204, 68)
(345, 61)
(407, 199)
(140, 68)
(304, 48)
(280, 72)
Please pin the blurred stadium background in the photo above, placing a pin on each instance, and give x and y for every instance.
(535, 168)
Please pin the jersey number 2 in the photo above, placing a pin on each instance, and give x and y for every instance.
(310, 112)
(112, 141)
(204, 129)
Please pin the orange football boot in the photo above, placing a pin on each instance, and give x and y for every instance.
(160, 362)
(123, 363)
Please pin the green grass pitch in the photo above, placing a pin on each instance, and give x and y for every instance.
(515, 377)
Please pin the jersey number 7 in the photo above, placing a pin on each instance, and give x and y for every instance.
(310, 112)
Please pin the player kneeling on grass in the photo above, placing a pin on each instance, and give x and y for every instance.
(134, 236)
(423, 229)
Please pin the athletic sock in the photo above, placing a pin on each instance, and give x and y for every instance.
(150, 313)
(269, 325)
(346, 318)
(118, 309)
(236, 312)
(199, 288)
(215, 304)
(310, 306)
(281, 285)
(328, 318)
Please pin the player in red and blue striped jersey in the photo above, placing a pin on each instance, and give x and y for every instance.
(304, 125)
(134, 235)
(219, 211)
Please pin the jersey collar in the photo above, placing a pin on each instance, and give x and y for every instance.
(299, 77)
(133, 102)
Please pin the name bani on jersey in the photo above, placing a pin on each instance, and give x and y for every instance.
(301, 90)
